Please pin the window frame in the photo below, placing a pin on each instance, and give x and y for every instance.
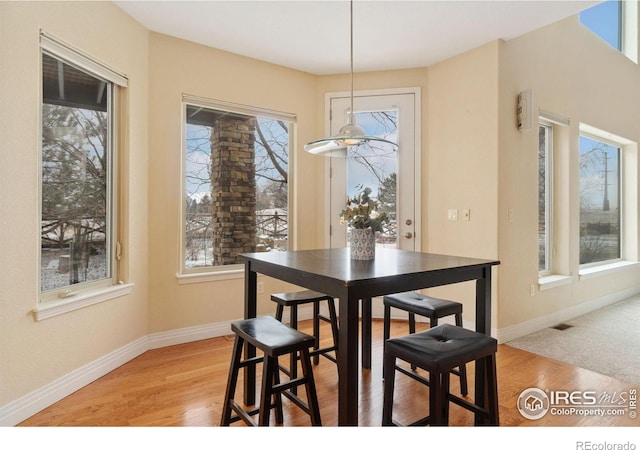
(627, 24)
(57, 301)
(548, 198)
(620, 24)
(559, 248)
(608, 139)
(231, 271)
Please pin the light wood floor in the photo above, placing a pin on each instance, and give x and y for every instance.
(183, 385)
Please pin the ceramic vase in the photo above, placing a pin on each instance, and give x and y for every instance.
(362, 243)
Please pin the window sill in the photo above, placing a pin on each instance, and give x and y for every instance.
(206, 277)
(553, 281)
(56, 308)
(605, 269)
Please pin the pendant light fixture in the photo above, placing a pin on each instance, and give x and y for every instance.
(351, 134)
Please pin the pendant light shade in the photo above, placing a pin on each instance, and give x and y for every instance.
(351, 134)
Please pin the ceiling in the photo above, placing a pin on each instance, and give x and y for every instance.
(313, 36)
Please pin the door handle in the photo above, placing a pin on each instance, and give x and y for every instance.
(409, 235)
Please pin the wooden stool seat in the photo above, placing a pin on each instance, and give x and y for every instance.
(274, 339)
(438, 351)
(431, 307)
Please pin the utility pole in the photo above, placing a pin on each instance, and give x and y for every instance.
(605, 200)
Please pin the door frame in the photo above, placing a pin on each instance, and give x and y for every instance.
(416, 92)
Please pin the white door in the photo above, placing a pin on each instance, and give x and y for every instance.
(393, 175)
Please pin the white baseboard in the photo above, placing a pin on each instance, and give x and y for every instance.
(189, 334)
(531, 326)
(15, 412)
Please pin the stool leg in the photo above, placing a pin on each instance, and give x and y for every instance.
(267, 390)
(333, 317)
(412, 330)
(279, 312)
(386, 328)
(277, 398)
(316, 330)
(387, 322)
(389, 378)
(446, 379)
(435, 399)
(310, 387)
(464, 388)
(293, 369)
(232, 381)
(492, 390)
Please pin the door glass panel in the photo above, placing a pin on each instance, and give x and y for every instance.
(390, 172)
(375, 165)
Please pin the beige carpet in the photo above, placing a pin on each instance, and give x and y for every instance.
(606, 341)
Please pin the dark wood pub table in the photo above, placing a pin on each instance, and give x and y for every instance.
(333, 272)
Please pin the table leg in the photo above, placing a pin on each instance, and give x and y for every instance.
(250, 311)
(366, 333)
(348, 366)
(483, 325)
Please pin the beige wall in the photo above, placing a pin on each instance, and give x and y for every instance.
(461, 162)
(181, 67)
(32, 353)
(573, 74)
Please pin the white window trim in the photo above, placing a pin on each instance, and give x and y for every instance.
(79, 59)
(236, 272)
(553, 276)
(623, 144)
(606, 269)
(231, 271)
(85, 294)
(553, 281)
(55, 308)
(549, 203)
(629, 24)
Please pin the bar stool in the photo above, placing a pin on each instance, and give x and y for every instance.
(438, 350)
(274, 339)
(425, 306)
(292, 300)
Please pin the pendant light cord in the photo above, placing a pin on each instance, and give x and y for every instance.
(352, 113)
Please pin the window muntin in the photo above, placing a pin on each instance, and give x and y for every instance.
(600, 212)
(545, 196)
(228, 209)
(605, 20)
(76, 181)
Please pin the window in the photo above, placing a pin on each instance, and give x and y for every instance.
(77, 192)
(600, 189)
(605, 20)
(236, 183)
(545, 196)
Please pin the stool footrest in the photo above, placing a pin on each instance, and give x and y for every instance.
(324, 353)
(467, 404)
(420, 378)
(413, 375)
(242, 414)
(297, 400)
(251, 361)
